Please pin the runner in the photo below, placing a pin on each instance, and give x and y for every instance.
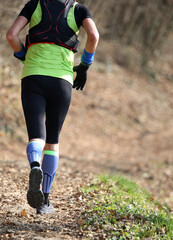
(47, 81)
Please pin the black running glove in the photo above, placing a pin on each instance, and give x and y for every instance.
(81, 76)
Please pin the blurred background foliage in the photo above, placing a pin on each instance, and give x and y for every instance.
(143, 24)
(136, 28)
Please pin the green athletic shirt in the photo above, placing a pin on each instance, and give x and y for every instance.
(50, 59)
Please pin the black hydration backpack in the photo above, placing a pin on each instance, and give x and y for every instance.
(53, 27)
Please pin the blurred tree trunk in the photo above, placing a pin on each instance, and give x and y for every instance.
(144, 24)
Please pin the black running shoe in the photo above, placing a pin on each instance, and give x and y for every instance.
(46, 209)
(35, 196)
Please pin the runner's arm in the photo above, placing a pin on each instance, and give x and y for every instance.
(92, 35)
(88, 54)
(12, 35)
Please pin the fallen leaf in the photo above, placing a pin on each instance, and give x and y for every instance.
(152, 198)
(81, 222)
(163, 230)
(23, 213)
(101, 238)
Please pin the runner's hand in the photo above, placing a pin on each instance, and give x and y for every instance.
(21, 55)
(81, 76)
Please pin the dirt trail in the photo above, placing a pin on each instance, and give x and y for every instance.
(19, 221)
(121, 124)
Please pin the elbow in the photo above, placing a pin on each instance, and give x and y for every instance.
(10, 36)
(94, 37)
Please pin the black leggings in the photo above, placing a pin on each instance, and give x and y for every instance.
(45, 102)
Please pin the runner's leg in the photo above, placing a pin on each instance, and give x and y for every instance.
(56, 110)
(34, 105)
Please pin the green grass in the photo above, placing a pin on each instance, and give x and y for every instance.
(117, 208)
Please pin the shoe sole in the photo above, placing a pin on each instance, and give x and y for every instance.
(35, 196)
(45, 210)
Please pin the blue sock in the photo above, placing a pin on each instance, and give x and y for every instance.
(34, 153)
(49, 167)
